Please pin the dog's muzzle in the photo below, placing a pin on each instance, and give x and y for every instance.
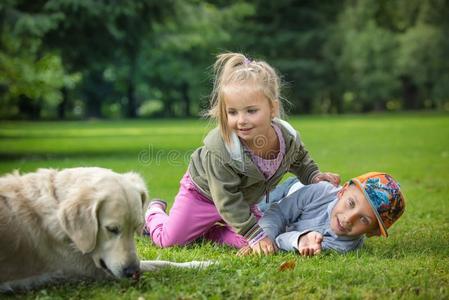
(131, 270)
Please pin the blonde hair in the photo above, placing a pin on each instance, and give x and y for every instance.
(232, 68)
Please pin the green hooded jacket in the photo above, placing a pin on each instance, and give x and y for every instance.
(227, 175)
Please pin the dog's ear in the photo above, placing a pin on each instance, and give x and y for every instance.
(139, 184)
(78, 218)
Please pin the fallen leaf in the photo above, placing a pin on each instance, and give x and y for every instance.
(287, 265)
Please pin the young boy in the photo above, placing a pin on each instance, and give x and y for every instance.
(321, 216)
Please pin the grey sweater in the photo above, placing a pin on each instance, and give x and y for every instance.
(307, 209)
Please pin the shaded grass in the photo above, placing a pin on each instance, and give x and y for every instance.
(412, 263)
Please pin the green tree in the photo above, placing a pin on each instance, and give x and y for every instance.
(387, 51)
(291, 36)
(181, 49)
(366, 60)
(30, 79)
(98, 34)
(422, 62)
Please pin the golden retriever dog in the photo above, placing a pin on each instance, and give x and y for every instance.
(71, 224)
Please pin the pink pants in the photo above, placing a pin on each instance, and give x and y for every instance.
(192, 216)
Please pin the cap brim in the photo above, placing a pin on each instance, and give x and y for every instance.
(382, 228)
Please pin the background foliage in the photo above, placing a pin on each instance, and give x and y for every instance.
(140, 58)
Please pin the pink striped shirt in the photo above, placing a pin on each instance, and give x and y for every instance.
(269, 166)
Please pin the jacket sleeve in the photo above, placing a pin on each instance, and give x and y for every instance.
(288, 241)
(286, 211)
(224, 185)
(302, 165)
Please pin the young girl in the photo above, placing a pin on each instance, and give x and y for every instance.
(241, 160)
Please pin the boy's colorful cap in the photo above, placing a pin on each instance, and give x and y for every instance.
(384, 195)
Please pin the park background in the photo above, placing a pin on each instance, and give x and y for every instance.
(65, 59)
(122, 84)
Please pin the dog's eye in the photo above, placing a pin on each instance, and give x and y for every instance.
(113, 229)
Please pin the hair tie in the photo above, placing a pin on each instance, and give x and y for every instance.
(247, 61)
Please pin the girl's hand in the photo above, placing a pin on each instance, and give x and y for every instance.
(244, 251)
(330, 177)
(265, 246)
(309, 244)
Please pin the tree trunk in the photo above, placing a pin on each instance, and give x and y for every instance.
(131, 110)
(409, 93)
(168, 109)
(307, 105)
(185, 98)
(132, 53)
(29, 108)
(93, 107)
(62, 106)
(94, 91)
(336, 103)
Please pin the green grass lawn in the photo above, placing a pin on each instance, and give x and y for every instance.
(412, 263)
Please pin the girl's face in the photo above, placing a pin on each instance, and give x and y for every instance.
(352, 215)
(249, 112)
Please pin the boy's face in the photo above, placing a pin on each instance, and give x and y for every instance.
(352, 215)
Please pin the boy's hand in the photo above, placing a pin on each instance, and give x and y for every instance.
(264, 246)
(309, 244)
(330, 177)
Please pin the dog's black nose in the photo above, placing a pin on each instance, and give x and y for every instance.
(131, 270)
